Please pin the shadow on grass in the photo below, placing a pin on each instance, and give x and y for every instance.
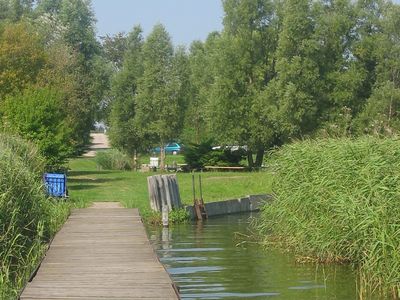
(81, 187)
(81, 173)
(93, 181)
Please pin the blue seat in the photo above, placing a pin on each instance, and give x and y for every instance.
(56, 184)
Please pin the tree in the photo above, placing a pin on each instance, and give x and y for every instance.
(293, 97)
(158, 100)
(201, 78)
(244, 64)
(22, 57)
(114, 48)
(123, 132)
(381, 112)
(78, 19)
(14, 10)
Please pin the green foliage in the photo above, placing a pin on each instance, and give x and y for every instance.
(199, 155)
(178, 216)
(336, 200)
(194, 154)
(38, 115)
(223, 158)
(159, 101)
(113, 159)
(22, 57)
(158, 107)
(124, 133)
(243, 64)
(28, 219)
(380, 115)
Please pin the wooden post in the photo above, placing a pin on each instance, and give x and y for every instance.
(163, 191)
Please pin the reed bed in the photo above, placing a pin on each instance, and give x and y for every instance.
(337, 200)
(28, 219)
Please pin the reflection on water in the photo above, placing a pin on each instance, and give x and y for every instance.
(205, 263)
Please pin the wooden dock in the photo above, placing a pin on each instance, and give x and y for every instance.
(101, 253)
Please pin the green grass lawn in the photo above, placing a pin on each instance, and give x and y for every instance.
(86, 183)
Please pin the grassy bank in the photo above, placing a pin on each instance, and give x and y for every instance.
(338, 201)
(87, 184)
(28, 219)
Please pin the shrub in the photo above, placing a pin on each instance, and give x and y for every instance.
(199, 155)
(113, 159)
(38, 115)
(336, 200)
(28, 219)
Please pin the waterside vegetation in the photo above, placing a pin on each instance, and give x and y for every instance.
(28, 218)
(336, 200)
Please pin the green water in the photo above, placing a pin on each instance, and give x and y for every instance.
(205, 262)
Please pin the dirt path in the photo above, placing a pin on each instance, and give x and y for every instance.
(99, 142)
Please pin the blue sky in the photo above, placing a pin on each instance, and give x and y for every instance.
(185, 20)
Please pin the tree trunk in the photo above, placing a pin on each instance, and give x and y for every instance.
(250, 159)
(259, 157)
(162, 157)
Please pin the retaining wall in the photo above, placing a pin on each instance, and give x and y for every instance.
(233, 206)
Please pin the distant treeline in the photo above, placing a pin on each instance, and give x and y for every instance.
(277, 71)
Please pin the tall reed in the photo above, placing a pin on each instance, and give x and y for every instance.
(337, 200)
(28, 219)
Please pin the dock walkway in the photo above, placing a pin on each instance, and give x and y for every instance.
(101, 253)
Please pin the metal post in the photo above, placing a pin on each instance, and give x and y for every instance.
(201, 190)
(194, 188)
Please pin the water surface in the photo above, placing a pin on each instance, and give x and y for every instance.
(208, 261)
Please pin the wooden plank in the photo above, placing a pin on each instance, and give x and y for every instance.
(101, 253)
(223, 168)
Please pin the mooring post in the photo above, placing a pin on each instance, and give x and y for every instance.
(194, 189)
(165, 219)
(201, 190)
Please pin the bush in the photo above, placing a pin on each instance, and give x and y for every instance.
(337, 200)
(113, 159)
(28, 219)
(199, 155)
(38, 115)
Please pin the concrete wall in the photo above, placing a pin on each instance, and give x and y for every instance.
(233, 206)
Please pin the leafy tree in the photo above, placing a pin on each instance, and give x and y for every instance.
(381, 112)
(22, 56)
(114, 48)
(51, 7)
(14, 10)
(123, 132)
(158, 100)
(201, 77)
(45, 124)
(244, 64)
(181, 72)
(291, 100)
(78, 17)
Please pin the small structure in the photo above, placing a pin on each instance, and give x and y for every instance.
(163, 191)
(56, 184)
(153, 163)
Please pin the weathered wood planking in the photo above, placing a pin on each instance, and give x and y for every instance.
(101, 253)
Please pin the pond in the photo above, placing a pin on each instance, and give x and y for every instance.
(207, 260)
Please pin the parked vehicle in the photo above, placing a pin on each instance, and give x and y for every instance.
(173, 148)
